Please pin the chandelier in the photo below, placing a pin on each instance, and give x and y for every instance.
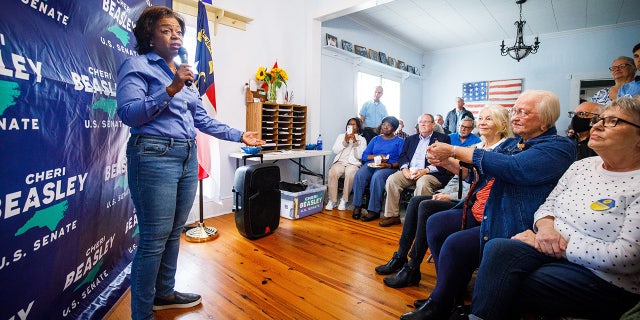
(519, 50)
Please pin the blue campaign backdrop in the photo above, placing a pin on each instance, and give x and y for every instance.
(68, 229)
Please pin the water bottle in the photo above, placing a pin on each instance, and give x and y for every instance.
(319, 142)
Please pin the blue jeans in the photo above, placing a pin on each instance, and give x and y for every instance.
(455, 252)
(515, 278)
(163, 179)
(414, 233)
(375, 179)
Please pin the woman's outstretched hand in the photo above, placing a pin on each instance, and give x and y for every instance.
(250, 138)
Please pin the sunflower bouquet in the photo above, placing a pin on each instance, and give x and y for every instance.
(272, 79)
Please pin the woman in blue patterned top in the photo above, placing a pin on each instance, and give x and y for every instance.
(623, 69)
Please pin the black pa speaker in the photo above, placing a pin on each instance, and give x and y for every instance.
(256, 199)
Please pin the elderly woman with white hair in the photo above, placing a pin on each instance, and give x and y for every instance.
(582, 258)
(513, 180)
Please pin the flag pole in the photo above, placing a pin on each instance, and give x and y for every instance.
(201, 233)
(204, 60)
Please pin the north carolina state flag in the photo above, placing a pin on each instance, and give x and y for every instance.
(206, 86)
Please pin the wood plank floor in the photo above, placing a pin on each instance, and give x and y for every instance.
(318, 267)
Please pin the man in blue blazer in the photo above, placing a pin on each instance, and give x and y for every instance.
(414, 170)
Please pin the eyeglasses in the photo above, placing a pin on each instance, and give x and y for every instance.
(519, 112)
(610, 122)
(619, 67)
(582, 114)
(465, 127)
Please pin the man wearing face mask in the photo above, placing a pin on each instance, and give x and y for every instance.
(580, 122)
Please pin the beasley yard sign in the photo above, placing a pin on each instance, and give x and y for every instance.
(295, 205)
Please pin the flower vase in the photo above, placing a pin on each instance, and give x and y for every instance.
(272, 94)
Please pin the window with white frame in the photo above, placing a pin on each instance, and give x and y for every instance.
(365, 87)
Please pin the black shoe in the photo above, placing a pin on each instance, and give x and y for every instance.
(370, 216)
(428, 311)
(407, 276)
(179, 301)
(461, 313)
(357, 211)
(392, 266)
(419, 303)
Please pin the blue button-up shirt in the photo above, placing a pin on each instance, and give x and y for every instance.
(145, 105)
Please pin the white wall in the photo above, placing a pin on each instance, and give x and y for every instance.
(338, 74)
(561, 59)
(282, 30)
(294, 37)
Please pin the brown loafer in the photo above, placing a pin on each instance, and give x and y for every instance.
(389, 221)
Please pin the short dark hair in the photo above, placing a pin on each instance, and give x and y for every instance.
(147, 21)
(393, 121)
(636, 48)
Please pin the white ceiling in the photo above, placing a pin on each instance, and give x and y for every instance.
(428, 25)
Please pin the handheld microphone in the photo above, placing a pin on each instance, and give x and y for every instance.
(182, 52)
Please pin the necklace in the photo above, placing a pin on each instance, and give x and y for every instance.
(173, 69)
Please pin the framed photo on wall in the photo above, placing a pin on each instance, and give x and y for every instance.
(360, 50)
(332, 40)
(392, 61)
(402, 65)
(373, 55)
(383, 57)
(347, 46)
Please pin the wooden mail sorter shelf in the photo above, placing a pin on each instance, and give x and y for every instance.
(282, 126)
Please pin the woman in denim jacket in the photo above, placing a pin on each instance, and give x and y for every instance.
(580, 257)
(519, 174)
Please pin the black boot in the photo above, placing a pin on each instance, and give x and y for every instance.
(370, 216)
(357, 211)
(428, 311)
(392, 266)
(407, 276)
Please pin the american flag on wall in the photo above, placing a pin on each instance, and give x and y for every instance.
(502, 92)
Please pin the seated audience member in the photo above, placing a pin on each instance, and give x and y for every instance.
(632, 88)
(622, 70)
(516, 175)
(439, 123)
(464, 137)
(414, 170)
(570, 133)
(493, 125)
(388, 147)
(581, 125)
(348, 149)
(581, 260)
(438, 128)
(399, 132)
